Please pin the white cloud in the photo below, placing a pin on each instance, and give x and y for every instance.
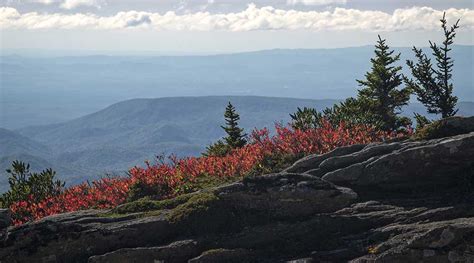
(316, 2)
(207, 5)
(45, 2)
(71, 4)
(252, 18)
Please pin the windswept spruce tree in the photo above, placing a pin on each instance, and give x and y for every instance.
(378, 103)
(432, 85)
(379, 94)
(235, 135)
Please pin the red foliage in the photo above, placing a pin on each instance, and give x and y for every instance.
(110, 192)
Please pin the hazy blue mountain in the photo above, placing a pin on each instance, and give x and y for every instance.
(72, 174)
(12, 142)
(45, 90)
(14, 146)
(170, 125)
(127, 133)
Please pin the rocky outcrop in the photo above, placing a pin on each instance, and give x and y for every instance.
(5, 222)
(403, 165)
(5, 219)
(446, 127)
(409, 201)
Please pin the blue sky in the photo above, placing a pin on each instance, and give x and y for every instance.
(224, 25)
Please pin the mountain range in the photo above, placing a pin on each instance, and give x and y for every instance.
(52, 89)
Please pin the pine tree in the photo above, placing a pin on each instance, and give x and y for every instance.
(351, 112)
(432, 86)
(235, 136)
(306, 118)
(380, 94)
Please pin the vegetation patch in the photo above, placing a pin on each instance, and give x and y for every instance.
(443, 128)
(274, 163)
(205, 181)
(198, 203)
(145, 205)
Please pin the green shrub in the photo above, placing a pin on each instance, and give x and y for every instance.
(306, 118)
(140, 189)
(204, 181)
(218, 149)
(31, 187)
(274, 163)
(421, 121)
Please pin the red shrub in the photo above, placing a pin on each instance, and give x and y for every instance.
(110, 192)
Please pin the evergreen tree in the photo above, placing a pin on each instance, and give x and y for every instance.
(421, 121)
(235, 136)
(218, 148)
(432, 86)
(350, 111)
(306, 118)
(380, 94)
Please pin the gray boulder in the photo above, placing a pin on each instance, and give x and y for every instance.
(437, 163)
(177, 252)
(313, 161)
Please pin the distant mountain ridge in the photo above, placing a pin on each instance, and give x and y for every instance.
(45, 90)
(129, 132)
(13, 143)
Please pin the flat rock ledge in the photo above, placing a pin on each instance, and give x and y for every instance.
(409, 201)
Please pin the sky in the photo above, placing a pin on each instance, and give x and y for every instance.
(220, 26)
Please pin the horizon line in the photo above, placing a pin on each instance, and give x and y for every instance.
(44, 52)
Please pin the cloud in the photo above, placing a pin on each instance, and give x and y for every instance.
(45, 2)
(71, 4)
(207, 4)
(252, 18)
(316, 2)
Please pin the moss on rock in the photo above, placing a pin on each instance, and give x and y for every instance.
(445, 127)
(204, 213)
(146, 205)
(198, 203)
(206, 181)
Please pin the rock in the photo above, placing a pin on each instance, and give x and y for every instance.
(5, 218)
(301, 260)
(405, 201)
(447, 241)
(450, 126)
(315, 172)
(225, 255)
(312, 161)
(288, 195)
(341, 161)
(437, 164)
(76, 236)
(177, 252)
